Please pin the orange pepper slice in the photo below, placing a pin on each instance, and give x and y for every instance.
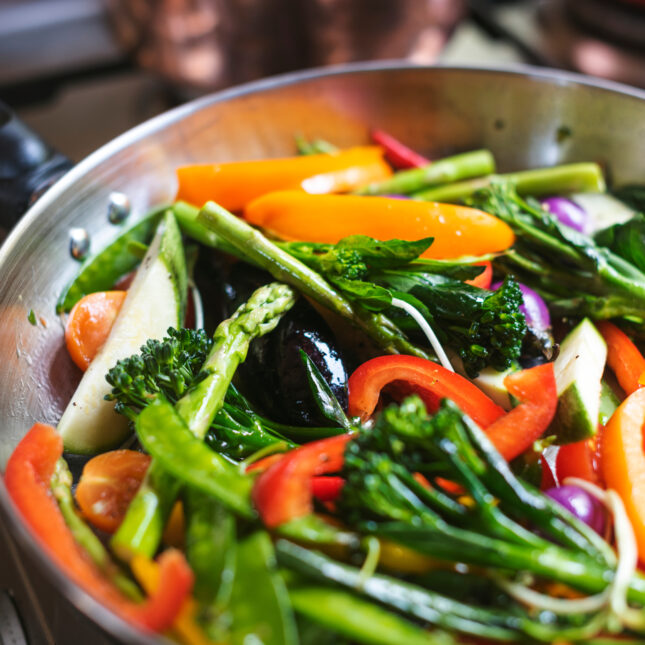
(233, 185)
(457, 230)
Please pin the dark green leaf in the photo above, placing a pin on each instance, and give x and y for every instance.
(632, 195)
(626, 240)
(369, 295)
(385, 254)
(324, 397)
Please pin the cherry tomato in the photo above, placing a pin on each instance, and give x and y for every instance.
(107, 486)
(89, 324)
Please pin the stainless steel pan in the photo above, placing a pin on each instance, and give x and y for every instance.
(527, 117)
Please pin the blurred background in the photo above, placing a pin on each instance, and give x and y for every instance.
(82, 71)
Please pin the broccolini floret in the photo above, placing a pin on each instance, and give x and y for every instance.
(170, 366)
(482, 327)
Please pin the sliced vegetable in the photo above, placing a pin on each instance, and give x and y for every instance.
(623, 461)
(89, 325)
(578, 372)
(326, 489)
(457, 230)
(27, 476)
(623, 357)
(578, 459)
(430, 380)
(581, 504)
(185, 628)
(491, 383)
(155, 301)
(284, 491)
(397, 153)
(569, 213)
(516, 431)
(484, 279)
(233, 185)
(441, 171)
(107, 486)
(101, 272)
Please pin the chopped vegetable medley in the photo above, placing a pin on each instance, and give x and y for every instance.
(326, 399)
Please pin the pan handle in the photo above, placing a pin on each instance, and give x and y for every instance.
(28, 166)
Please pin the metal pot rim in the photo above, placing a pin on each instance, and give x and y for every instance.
(80, 599)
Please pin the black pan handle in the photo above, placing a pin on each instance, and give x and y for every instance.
(28, 166)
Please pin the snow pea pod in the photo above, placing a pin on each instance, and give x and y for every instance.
(260, 609)
(163, 433)
(210, 547)
(101, 271)
(360, 620)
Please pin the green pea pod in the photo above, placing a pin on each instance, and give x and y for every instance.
(210, 547)
(360, 620)
(260, 609)
(163, 433)
(101, 271)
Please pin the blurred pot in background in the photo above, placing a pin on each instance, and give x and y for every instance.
(201, 45)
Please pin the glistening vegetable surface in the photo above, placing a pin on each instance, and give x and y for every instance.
(271, 503)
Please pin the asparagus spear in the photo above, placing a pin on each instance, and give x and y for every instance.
(443, 171)
(569, 178)
(61, 483)
(262, 252)
(143, 524)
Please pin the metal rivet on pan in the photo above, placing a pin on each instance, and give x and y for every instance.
(79, 243)
(119, 207)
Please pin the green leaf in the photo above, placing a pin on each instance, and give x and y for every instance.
(632, 195)
(385, 254)
(369, 295)
(324, 397)
(626, 240)
(355, 255)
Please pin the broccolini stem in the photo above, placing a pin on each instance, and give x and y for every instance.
(442, 171)
(565, 179)
(284, 267)
(61, 483)
(426, 605)
(143, 524)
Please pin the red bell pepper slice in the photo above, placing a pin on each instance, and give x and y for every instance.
(283, 492)
(326, 489)
(485, 278)
(397, 153)
(412, 374)
(623, 357)
(516, 431)
(27, 477)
